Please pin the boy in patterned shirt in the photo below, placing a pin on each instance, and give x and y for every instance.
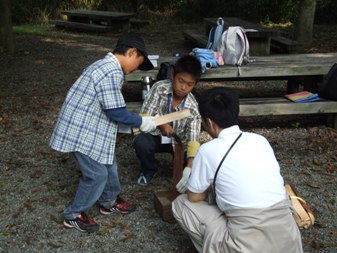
(87, 127)
(164, 97)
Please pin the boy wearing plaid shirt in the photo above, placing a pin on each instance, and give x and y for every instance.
(87, 127)
(164, 97)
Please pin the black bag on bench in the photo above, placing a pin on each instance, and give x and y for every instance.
(328, 88)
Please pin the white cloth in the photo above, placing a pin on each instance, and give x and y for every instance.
(148, 124)
(182, 184)
(248, 178)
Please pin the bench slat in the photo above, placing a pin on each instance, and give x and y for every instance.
(282, 106)
(78, 25)
(284, 45)
(271, 106)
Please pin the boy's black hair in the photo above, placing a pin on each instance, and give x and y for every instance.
(188, 64)
(220, 105)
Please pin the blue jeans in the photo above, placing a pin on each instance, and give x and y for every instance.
(99, 183)
(146, 146)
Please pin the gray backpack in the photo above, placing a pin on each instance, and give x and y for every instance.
(234, 46)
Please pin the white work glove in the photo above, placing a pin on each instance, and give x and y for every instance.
(147, 124)
(182, 185)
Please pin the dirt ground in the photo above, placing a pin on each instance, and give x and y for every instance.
(37, 183)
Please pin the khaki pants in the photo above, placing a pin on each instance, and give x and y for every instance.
(243, 230)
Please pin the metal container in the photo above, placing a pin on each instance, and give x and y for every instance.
(146, 85)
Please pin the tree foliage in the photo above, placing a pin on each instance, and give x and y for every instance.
(38, 11)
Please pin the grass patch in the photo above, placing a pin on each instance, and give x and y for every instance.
(41, 30)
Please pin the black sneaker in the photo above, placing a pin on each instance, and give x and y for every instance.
(82, 223)
(120, 206)
(145, 179)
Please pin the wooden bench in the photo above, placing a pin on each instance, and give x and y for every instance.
(274, 106)
(197, 38)
(284, 45)
(93, 20)
(81, 26)
(138, 23)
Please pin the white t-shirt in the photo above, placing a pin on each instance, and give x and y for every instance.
(249, 176)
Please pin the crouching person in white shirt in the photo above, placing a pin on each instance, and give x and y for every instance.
(252, 212)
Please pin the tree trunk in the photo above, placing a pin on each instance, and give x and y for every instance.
(305, 22)
(6, 33)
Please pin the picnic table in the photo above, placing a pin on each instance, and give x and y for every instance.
(260, 39)
(95, 20)
(306, 69)
(298, 69)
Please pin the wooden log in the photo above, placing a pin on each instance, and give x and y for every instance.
(163, 204)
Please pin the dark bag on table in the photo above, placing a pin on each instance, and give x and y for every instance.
(165, 71)
(328, 88)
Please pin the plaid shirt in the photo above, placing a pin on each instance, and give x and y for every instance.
(156, 103)
(83, 125)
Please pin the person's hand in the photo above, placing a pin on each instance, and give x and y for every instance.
(147, 124)
(166, 130)
(182, 185)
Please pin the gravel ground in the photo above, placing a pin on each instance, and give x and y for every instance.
(36, 183)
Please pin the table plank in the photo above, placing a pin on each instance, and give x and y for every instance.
(264, 67)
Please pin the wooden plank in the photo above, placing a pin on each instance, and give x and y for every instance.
(99, 14)
(173, 116)
(284, 45)
(271, 106)
(303, 214)
(196, 37)
(178, 164)
(282, 106)
(264, 67)
(167, 118)
(163, 204)
(82, 26)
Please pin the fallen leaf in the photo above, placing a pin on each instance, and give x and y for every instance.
(333, 233)
(313, 185)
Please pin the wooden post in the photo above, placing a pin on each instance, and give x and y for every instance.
(163, 199)
(178, 164)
